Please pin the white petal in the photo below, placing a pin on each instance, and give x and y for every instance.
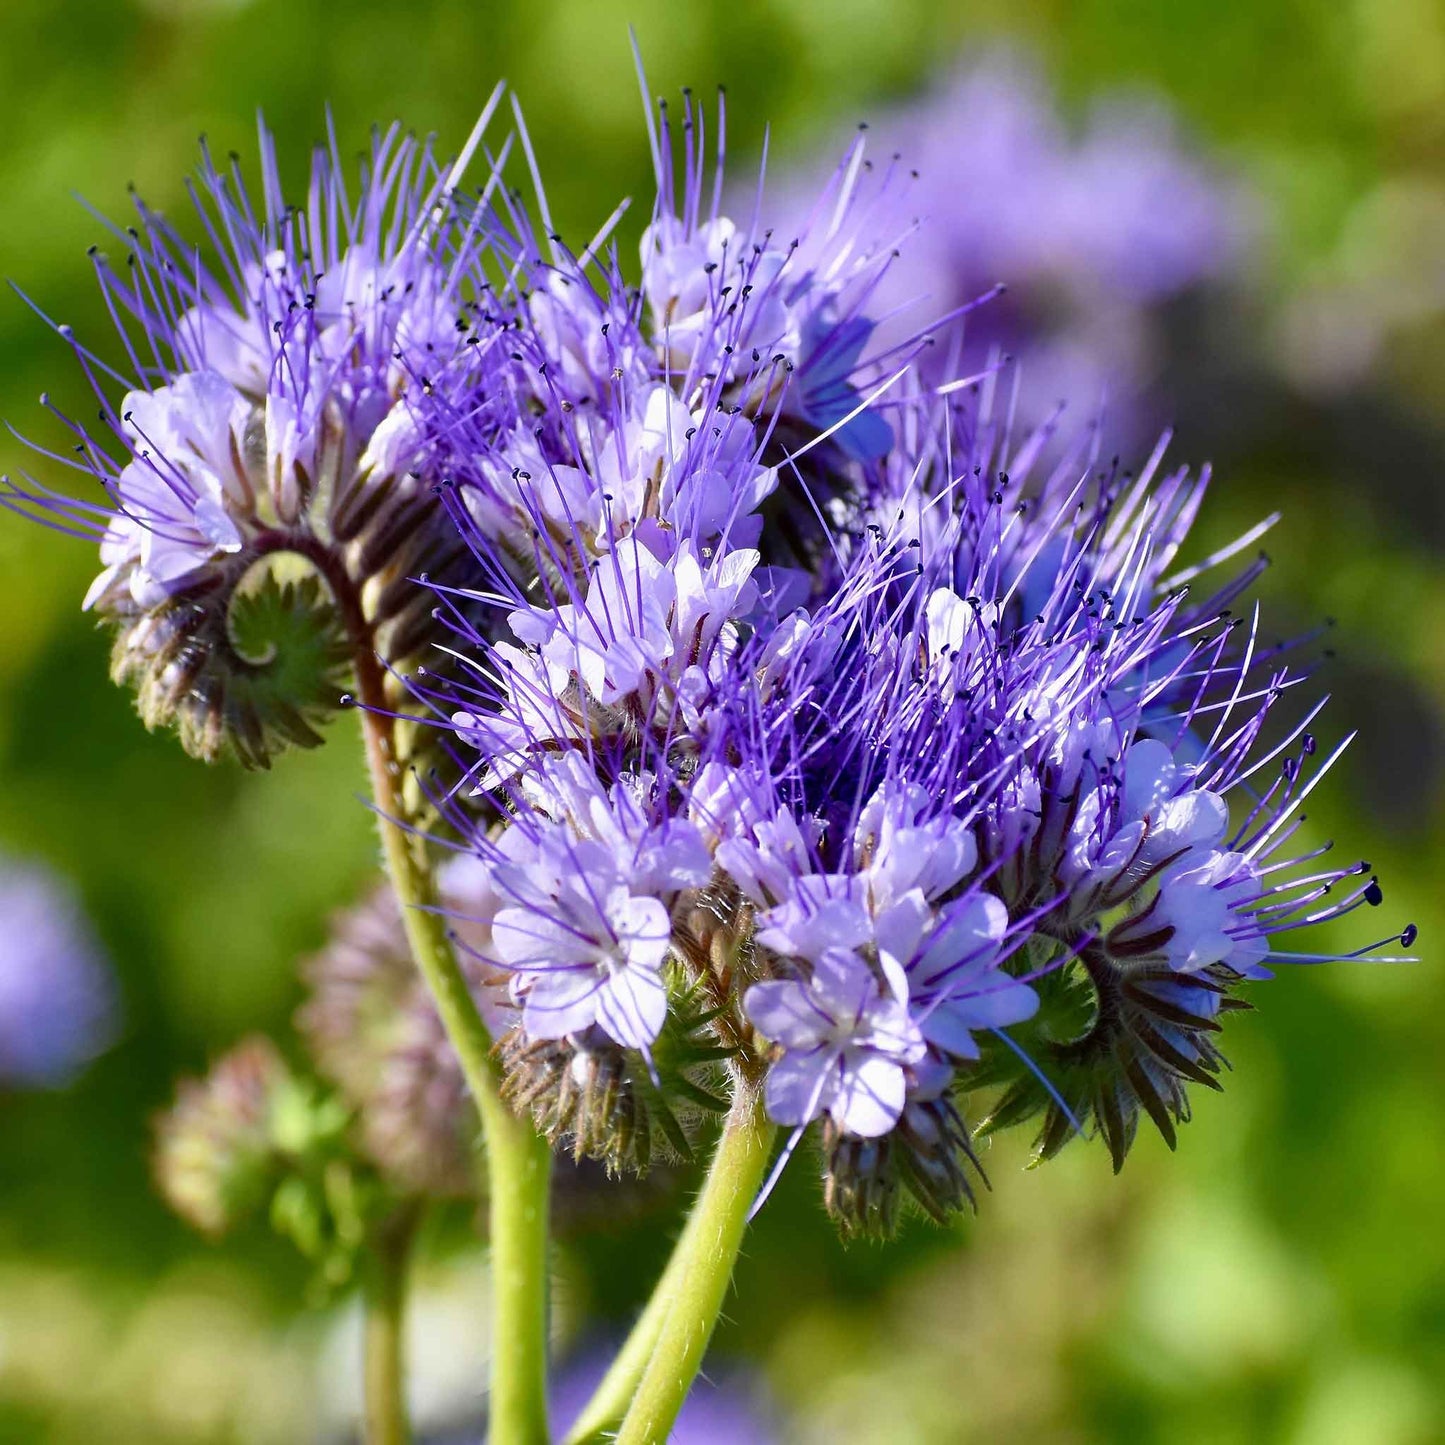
(870, 1096)
(632, 1007)
(559, 1002)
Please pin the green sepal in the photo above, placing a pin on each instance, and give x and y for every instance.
(251, 663)
(1107, 1042)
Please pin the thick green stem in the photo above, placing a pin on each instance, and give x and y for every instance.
(604, 1411)
(385, 1362)
(521, 1169)
(708, 1250)
(518, 1159)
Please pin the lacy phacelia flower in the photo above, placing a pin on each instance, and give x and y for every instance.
(587, 885)
(778, 322)
(268, 501)
(847, 1043)
(57, 998)
(885, 766)
(647, 639)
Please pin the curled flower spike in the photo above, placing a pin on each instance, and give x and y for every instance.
(218, 1153)
(267, 501)
(253, 1138)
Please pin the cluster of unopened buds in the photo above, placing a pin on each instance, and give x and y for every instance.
(807, 745)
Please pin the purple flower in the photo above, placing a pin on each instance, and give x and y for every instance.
(889, 981)
(847, 1041)
(588, 879)
(700, 277)
(776, 320)
(956, 982)
(1089, 227)
(57, 999)
(1200, 918)
(592, 952)
(1158, 826)
(646, 639)
(821, 722)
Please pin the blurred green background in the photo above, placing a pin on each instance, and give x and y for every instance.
(1282, 1278)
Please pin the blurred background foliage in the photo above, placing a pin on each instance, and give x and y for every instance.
(1282, 1278)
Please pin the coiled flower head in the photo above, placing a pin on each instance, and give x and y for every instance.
(217, 1156)
(256, 1138)
(267, 496)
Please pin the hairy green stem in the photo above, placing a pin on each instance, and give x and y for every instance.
(385, 1345)
(603, 1413)
(427, 935)
(521, 1171)
(705, 1258)
(518, 1159)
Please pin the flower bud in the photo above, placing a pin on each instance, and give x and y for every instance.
(864, 1180)
(373, 1030)
(217, 1157)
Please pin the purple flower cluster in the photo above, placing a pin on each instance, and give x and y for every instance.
(821, 695)
(823, 731)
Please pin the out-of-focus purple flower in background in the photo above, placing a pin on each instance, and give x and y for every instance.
(57, 997)
(1090, 227)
